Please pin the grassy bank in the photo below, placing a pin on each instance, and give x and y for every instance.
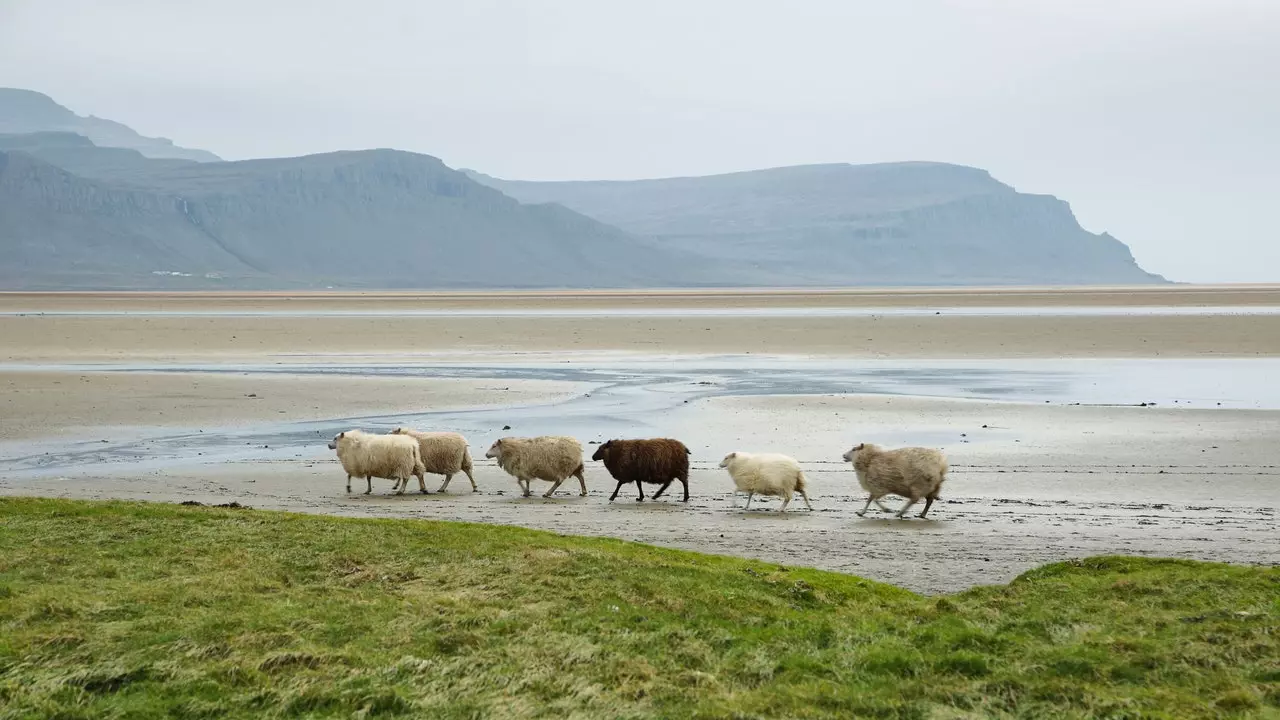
(121, 608)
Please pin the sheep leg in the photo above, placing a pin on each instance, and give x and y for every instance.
(928, 503)
(662, 489)
(445, 486)
(470, 477)
(881, 506)
(786, 500)
(640, 488)
(870, 498)
(582, 480)
(805, 496)
(402, 484)
(348, 483)
(524, 486)
(749, 496)
(552, 491)
(422, 483)
(369, 479)
(910, 501)
(685, 482)
(614, 496)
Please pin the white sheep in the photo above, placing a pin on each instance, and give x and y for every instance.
(443, 453)
(766, 474)
(393, 457)
(912, 472)
(553, 458)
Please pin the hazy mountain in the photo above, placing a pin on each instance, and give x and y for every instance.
(895, 223)
(377, 218)
(26, 111)
(86, 202)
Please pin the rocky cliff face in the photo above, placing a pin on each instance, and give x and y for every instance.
(888, 224)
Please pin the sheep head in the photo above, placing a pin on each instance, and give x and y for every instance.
(333, 444)
(728, 459)
(603, 451)
(495, 450)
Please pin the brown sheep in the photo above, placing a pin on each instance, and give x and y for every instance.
(658, 461)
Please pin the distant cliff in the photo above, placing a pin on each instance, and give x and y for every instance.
(894, 223)
(89, 203)
(26, 111)
(377, 218)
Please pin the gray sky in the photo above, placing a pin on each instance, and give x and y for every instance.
(1158, 120)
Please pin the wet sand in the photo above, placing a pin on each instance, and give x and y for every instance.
(41, 404)
(1044, 481)
(1040, 484)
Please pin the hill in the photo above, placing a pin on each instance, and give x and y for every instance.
(26, 111)
(89, 203)
(376, 218)
(895, 223)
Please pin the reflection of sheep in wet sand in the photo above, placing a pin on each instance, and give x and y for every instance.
(393, 457)
(912, 473)
(658, 461)
(443, 453)
(766, 474)
(554, 458)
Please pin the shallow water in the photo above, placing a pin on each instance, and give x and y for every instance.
(636, 396)
(763, 311)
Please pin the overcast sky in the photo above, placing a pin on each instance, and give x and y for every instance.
(1158, 120)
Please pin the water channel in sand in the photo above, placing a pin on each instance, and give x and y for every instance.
(629, 396)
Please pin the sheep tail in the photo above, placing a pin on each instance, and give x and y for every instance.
(801, 483)
(579, 472)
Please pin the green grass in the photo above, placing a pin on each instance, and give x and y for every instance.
(137, 610)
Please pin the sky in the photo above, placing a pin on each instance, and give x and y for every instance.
(1157, 120)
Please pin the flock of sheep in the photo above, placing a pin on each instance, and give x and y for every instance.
(913, 473)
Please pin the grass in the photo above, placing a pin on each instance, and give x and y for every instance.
(138, 610)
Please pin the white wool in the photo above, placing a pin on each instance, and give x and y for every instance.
(911, 472)
(553, 458)
(443, 453)
(766, 474)
(394, 457)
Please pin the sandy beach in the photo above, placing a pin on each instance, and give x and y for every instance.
(174, 397)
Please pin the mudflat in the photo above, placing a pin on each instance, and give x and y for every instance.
(78, 327)
(108, 396)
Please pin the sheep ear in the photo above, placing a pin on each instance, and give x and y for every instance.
(342, 434)
(860, 447)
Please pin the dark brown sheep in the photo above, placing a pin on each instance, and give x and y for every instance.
(659, 461)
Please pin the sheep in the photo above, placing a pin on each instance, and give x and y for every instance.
(912, 472)
(393, 457)
(553, 458)
(659, 460)
(443, 453)
(766, 474)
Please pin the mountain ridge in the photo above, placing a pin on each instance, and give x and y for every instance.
(142, 213)
(28, 111)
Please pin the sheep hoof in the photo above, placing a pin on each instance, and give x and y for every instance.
(861, 513)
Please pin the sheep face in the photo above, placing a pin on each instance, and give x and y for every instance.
(728, 459)
(333, 444)
(602, 452)
(398, 431)
(849, 456)
(495, 450)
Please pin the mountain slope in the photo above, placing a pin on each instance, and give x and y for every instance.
(378, 218)
(26, 111)
(893, 223)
